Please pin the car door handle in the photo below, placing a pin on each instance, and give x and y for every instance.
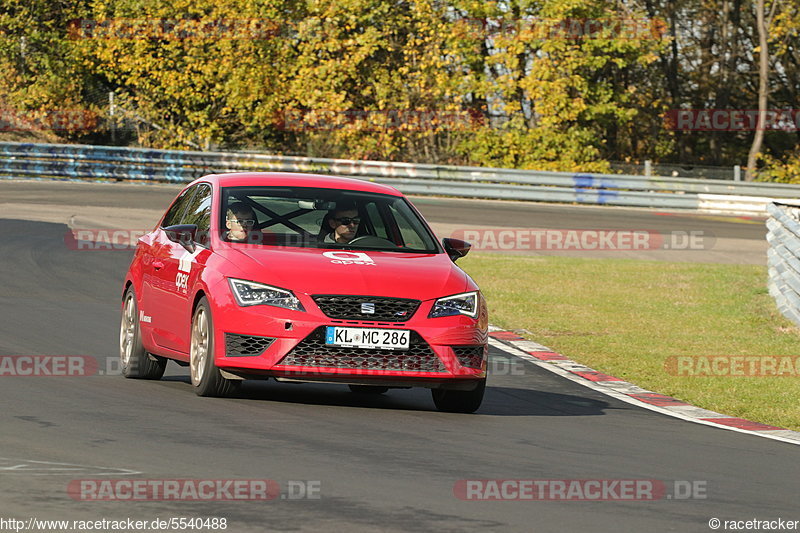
(158, 265)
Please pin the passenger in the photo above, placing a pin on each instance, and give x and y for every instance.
(240, 221)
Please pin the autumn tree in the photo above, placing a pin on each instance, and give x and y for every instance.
(43, 70)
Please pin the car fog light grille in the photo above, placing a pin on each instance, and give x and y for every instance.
(246, 345)
(470, 356)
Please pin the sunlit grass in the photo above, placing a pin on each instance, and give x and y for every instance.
(625, 317)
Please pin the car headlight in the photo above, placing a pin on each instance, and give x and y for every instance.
(252, 293)
(458, 304)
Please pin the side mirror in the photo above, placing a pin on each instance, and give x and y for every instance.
(183, 234)
(456, 248)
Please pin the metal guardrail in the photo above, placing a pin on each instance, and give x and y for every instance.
(66, 161)
(783, 258)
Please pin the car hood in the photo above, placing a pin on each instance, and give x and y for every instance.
(318, 271)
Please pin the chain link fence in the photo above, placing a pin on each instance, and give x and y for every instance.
(783, 258)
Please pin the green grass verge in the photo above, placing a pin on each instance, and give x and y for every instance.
(626, 317)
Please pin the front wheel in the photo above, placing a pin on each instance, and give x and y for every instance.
(459, 401)
(206, 377)
(136, 362)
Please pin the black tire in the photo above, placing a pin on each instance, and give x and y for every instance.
(136, 362)
(368, 389)
(205, 376)
(459, 401)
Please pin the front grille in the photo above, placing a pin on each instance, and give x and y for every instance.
(349, 307)
(471, 356)
(312, 351)
(246, 345)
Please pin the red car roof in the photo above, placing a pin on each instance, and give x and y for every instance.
(292, 179)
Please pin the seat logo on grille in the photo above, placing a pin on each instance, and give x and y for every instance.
(368, 309)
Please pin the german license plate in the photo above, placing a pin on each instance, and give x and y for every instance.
(386, 339)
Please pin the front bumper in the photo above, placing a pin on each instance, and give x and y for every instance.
(264, 341)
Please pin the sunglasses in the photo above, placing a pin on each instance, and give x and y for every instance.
(346, 221)
(247, 223)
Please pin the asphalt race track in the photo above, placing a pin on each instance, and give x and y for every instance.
(138, 207)
(387, 463)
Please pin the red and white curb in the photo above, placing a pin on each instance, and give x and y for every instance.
(551, 361)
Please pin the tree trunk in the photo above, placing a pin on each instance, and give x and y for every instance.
(763, 79)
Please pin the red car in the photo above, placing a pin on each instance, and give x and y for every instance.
(301, 277)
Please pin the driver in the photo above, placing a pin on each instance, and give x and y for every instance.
(343, 222)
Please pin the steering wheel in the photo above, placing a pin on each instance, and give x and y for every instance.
(372, 240)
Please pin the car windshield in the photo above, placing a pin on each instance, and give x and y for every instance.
(322, 218)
